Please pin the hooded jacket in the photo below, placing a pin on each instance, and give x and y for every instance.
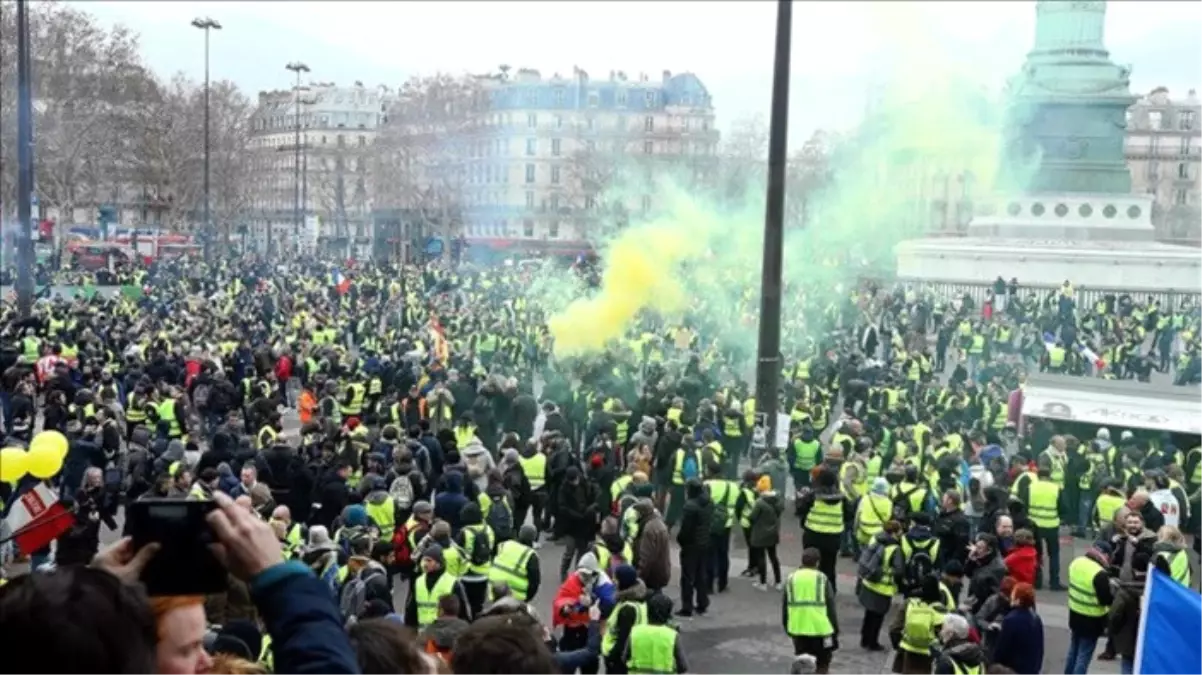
(477, 457)
(448, 505)
(966, 654)
(765, 520)
(1124, 617)
(566, 609)
(1022, 562)
(645, 434)
(625, 617)
(652, 549)
(694, 534)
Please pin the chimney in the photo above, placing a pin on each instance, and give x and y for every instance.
(667, 76)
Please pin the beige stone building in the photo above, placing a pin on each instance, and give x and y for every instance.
(1164, 152)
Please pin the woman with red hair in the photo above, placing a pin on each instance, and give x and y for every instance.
(180, 624)
(1020, 642)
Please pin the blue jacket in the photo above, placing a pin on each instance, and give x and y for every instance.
(1019, 644)
(304, 623)
(449, 504)
(577, 659)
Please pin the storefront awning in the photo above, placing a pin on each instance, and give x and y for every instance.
(1114, 404)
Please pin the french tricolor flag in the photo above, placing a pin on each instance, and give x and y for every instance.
(38, 518)
(340, 282)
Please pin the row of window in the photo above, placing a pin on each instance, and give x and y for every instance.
(321, 120)
(310, 139)
(560, 96)
(1187, 120)
(1183, 171)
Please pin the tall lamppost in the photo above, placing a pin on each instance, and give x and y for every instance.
(25, 253)
(298, 68)
(768, 366)
(206, 24)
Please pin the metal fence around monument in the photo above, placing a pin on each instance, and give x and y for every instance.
(1085, 296)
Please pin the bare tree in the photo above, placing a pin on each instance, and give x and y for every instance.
(169, 156)
(86, 80)
(230, 161)
(419, 160)
(743, 157)
(807, 173)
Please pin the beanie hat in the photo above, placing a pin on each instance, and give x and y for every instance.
(764, 484)
(626, 577)
(434, 552)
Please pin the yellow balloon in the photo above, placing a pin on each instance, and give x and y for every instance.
(53, 439)
(14, 464)
(44, 461)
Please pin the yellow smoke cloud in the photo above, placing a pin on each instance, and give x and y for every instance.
(937, 128)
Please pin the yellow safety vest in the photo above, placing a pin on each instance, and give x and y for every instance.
(427, 598)
(510, 566)
(805, 454)
(535, 469)
(732, 428)
(874, 510)
(806, 605)
(652, 650)
(135, 413)
(1044, 506)
(887, 585)
(464, 435)
(610, 639)
(1178, 566)
(383, 515)
(1106, 506)
(470, 533)
(355, 407)
(166, 411)
(1082, 598)
(919, 627)
(267, 437)
(825, 517)
(978, 345)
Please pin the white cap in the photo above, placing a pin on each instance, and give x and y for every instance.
(1103, 434)
(1127, 435)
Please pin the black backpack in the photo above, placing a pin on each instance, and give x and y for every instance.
(920, 564)
(480, 552)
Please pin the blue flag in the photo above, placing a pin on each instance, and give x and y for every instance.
(1169, 626)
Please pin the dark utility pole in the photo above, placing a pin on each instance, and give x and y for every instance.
(298, 68)
(769, 364)
(206, 24)
(24, 165)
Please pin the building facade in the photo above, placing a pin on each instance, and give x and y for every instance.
(338, 126)
(550, 162)
(1164, 152)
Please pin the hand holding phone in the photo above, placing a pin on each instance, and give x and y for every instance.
(245, 544)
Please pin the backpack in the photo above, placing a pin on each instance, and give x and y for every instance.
(500, 517)
(920, 565)
(353, 599)
(480, 552)
(721, 512)
(200, 395)
(690, 468)
(901, 505)
(401, 492)
(871, 562)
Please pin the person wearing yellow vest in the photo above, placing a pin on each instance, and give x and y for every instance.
(654, 647)
(1171, 557)
(1043, 499)
(172, 418)
(957, 654)
(517, 565)
(1089, 599)
(822, 512)
(803, 454)
(915, 630)
(534, 467)
(873, 511)
(630, 610)
(724, 494)
(885, 568)
(352, 400)
(1108, 503)
(421, 608)
(808, 611)
(269, 433)
(478, 541)
(1053, 360)
(294, 535)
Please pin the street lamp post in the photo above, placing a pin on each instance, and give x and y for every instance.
(206, 24)
(298, 68)
(24, 166)
(768, 371)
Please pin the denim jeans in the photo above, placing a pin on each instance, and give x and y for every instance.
(1080, 653)
(1085, 506)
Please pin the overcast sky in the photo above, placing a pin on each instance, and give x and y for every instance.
(837, 46)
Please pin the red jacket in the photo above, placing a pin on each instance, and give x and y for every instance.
(569, 597)
(283, 370)
(1021, 564)
(192, 369)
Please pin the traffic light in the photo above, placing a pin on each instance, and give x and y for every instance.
(108, 217)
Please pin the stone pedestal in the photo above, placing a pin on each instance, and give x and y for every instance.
(1097, 241)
